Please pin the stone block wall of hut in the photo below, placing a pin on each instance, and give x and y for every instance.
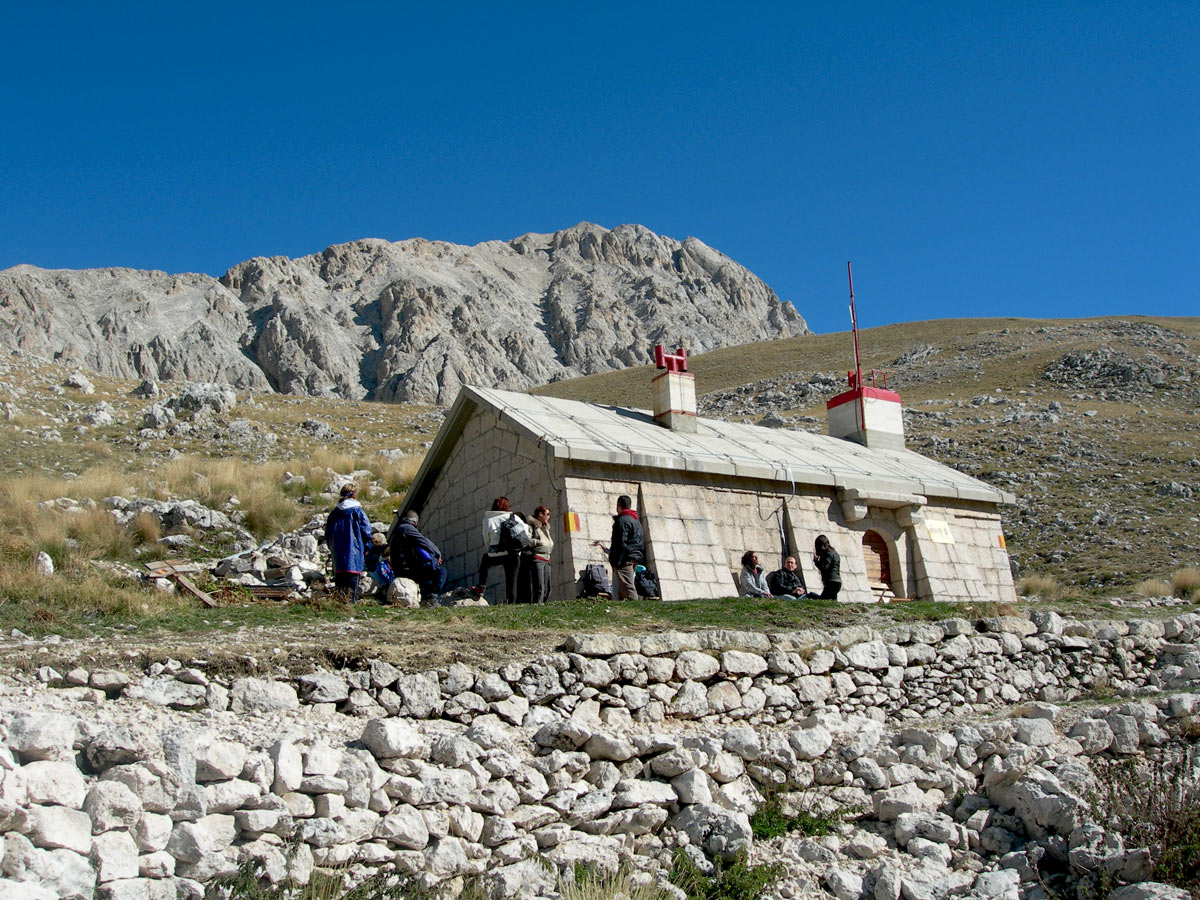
(696, 534)
(489, 460)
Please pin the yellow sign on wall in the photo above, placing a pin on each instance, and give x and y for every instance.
(570, 522)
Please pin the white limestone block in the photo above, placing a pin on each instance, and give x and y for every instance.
(115, 856)
(51, 781)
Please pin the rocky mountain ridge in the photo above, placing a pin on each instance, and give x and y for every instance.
(405, 321)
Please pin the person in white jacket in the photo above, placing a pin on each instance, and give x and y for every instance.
(498, 555)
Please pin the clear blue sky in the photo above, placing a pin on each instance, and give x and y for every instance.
(972, 159)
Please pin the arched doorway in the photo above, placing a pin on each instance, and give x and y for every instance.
(879, 566)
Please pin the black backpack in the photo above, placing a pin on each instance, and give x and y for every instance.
(646, 583)
(593, 582)
(514, 535)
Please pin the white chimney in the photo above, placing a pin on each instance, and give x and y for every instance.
(868, 415)
(674, 391)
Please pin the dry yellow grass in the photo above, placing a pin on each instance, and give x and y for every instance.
(396, 474)
(618, 886)
(67, 596)
(146, 528)
(1185, 583)
(1153, 587)
(1045, 587)
(94, 483)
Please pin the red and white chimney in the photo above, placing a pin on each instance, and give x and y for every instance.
(674, 391)
(867, 414)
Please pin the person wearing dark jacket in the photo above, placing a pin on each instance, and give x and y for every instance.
(416, 557)
(829, 564)
(626, 549)
(788, 581)
(348, 533)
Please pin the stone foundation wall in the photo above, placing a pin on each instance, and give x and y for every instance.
(612, 749)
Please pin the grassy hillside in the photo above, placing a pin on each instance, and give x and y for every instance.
(1102, 459)
(1092, 424)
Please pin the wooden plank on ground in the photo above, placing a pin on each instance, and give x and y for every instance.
(186, 584)
(166, 567)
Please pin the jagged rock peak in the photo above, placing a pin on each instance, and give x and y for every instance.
(405, 321)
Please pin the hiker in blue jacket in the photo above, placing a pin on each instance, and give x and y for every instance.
(348, 532)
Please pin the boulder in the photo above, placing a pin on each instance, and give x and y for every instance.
(219, 760)
(50, 781)
(115, 856)
(54, 827)
(404, 593)
(392, 739)
(692, 665)
(42, 735)
(720, 833)
(111, 805)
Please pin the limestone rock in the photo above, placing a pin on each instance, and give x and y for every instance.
(219, 760)
(115, 856)
(42, 735)
(259, 695)
(112, 805)
(49, 781)
(404, 593)
(692, 665)
(1149, 890)
(392, 738)
(54, 827)
(576, 302)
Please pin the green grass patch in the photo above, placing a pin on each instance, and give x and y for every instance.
(737, 880)
(770, 820)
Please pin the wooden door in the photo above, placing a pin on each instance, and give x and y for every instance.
(879, 567)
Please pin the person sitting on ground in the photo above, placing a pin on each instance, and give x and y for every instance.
(752, 582)
(788, 581)
(348, 532)
(829, 564)
(416, 557)
(377, 565)
(496, 554)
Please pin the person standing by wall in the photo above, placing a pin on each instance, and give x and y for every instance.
(503, 531)
(348, 532)
(626, 549)
(829, 564)
(536, 581)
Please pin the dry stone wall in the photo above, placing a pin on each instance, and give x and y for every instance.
(613, 750)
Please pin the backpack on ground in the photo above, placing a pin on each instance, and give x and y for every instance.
(647, 585)
(514, 535)
(593, 581)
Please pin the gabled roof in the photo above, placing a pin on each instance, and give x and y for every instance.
(593, 432)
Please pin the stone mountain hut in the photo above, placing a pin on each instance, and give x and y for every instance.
(707, 491)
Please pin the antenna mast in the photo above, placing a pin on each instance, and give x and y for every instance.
(854, 327)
